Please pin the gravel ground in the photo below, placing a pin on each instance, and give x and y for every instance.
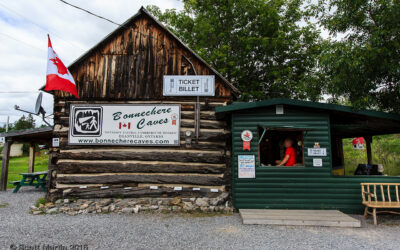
(160, 231)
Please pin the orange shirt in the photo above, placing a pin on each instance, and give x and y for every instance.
(292, 156)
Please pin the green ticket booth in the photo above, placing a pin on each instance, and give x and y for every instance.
(316, 131)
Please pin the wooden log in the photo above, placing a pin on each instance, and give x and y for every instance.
(118, 178)
(147, 185)
(31, 165)
(115, 166)
(135, 192)
(203, 124)
(4, 165)
(143, 154)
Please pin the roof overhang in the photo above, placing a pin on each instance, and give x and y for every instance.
(30, 135)
(345, 121)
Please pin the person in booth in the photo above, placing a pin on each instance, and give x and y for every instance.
(290, 154)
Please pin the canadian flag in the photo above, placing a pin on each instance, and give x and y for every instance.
(58, 76)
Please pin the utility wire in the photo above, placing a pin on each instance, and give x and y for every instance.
(18, 92)
(108, 20)
(15, 39)
(37, 25)
(91, 13)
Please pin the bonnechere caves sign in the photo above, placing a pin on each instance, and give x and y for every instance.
(136, 125)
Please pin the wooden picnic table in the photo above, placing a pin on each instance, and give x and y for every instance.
(36, 179)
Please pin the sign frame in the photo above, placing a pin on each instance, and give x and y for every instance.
(317, 152)
(253, 167)
(91, 105)
(194, 77)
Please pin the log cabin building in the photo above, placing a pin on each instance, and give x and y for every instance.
(127, 68)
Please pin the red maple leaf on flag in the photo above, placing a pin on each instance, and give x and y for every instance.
(60, 66)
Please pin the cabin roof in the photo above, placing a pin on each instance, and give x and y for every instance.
(39, 134)
(345, 121)
(123, 26)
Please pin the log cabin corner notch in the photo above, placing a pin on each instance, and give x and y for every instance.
(126, 68)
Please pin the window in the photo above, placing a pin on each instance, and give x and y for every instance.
(272, 148)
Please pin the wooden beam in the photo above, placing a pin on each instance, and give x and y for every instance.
(143, 154)
(69, 166)
(368, 141)
(31, 168)
(159, 178)
(4, 166)
(135, 192)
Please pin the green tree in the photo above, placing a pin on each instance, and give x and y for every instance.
(24, 123)
(364, 66)
(266, 48)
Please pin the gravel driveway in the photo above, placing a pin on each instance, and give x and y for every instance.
(160, 231)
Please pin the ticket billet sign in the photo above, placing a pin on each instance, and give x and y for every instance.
(189, 85)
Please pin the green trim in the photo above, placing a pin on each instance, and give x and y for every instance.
(306, 104)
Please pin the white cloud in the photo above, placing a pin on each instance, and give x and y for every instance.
(23, 64)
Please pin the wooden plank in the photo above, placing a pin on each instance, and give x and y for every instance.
(67, 166)
(5, 164)
(162, 178)
(296, 211)
(298, 217)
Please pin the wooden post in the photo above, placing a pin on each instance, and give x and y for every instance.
(368, 141)
(31, 168)
(4, 166)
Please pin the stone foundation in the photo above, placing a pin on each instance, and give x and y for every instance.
(135, 205)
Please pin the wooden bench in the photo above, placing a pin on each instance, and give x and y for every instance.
(381, 199)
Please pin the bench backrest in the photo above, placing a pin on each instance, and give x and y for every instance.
(374, 192)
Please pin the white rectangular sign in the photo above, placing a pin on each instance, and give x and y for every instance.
(130, 124)
(317, 162)
(182, 85)
(56, 142)
(2, 140)
(316, 151)
(247, 166)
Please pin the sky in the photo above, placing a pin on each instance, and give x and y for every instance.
(24, 25)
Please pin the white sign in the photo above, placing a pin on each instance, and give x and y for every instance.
(183, 85)
(133, 125)
(56, 142)
(316, 151)
(2, 140)
(247, 166)
(246, 135)
(317, 162)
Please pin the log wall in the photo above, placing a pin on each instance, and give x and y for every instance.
(128, 69)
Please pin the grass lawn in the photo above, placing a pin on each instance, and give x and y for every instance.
(20, 165)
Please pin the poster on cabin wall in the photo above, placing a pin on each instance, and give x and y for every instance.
(246, 166)
(189, 85)
(128, 125)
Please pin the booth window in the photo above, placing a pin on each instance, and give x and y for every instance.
(271, 144)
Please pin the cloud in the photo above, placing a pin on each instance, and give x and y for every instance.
(24, 26)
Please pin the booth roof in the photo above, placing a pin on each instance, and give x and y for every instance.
(345, 121)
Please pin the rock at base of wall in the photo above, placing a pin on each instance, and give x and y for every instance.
(219, 204)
